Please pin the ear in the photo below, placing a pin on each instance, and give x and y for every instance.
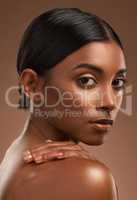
(30, 80)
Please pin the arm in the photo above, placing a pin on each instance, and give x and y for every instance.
(67, 179)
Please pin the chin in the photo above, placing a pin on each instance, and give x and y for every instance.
(94, 142)
(97, 143)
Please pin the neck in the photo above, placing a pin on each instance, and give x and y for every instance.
(37, 130)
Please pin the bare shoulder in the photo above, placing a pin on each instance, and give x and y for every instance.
(72, 178)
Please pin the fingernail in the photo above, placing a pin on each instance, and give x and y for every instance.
(27, 156)
(27, 153)
(60, 155)
(26, 159)
(38, 159)
(48, 141)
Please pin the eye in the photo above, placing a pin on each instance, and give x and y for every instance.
(86, 81)
(119, 83)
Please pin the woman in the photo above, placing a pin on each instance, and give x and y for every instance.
(72, 69)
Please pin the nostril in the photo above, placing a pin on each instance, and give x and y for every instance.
(105, 108)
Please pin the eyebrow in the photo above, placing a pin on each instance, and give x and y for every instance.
(97, 68)
(122, 71)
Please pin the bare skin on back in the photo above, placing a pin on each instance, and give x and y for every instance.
(71, 178)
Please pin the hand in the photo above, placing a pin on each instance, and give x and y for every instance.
(53, 150)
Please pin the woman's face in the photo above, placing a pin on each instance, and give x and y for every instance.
(86, 86)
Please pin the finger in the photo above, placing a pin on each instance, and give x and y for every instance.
(61, 154)
(27, 156)
(35, 154)
(48, 157)
(61, 147)
(45, 151)
(56, 156)
(76, 153)
(29, 153)
(37, 151)
(48, 141)
(44, 147)
(70, 153)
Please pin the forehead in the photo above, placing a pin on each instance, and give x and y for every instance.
(106, 55)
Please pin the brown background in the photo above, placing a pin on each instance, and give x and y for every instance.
(119, 152)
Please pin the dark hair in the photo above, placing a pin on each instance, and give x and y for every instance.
(55, 34)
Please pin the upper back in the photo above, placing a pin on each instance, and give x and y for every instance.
(71, 178)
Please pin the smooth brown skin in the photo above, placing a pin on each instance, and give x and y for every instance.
(55, 179)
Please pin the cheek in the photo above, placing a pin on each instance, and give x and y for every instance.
(74, 100)
(119, 98)
(118, 102)
(84, 98)
(73, 109)
(67, 109)
(71, 103)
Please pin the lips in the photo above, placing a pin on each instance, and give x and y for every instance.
(102, 124)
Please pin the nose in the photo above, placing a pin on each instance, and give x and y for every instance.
(107, 100)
